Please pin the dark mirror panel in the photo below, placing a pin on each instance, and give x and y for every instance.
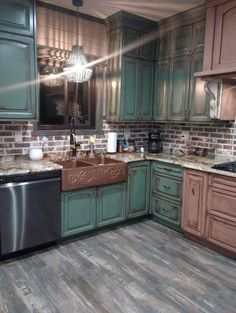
(61, 100)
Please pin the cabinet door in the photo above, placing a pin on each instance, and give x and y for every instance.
(163, 46)
(17, 67)
(199, 101)
(146, 80)
(111, 201)
(138, 189)
(178, 89)
(194, 202)
(17, 16)
(130, 83)
(132, 37)
(198, 39)
(224, 53)
(160, 91)
(78, 211)
(181, 40)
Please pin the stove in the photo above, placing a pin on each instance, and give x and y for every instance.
(229, 167)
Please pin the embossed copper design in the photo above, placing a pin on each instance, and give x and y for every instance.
(92, 173)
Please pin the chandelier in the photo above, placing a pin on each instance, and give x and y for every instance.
(76, 69)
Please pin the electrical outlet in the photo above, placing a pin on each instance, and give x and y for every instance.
(127, 133)
(18, 136)
(185, 135)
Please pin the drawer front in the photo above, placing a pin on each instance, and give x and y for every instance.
(222, 233)
(223, 182)
(222, 203)
(165, 209)
(168, 169)
(168, 186)
(17, 16)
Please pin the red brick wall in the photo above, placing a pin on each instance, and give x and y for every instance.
(214, 136)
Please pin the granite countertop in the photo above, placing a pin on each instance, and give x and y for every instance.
(187, 161)
(25, 167)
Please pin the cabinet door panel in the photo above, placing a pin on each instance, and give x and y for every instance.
(181, 41)
(198, 36)
(160, 92)
(17, 68)
(78, 211)
(146, 90)
(130, 81)
(194, 202)
(224, 53)
(138, 189)
(178, 88)
(163, 46)
(17, 16)
(199, 101)
(166, 210)
(221, 233)
(111, 204)
(132, 37)
(167, 186)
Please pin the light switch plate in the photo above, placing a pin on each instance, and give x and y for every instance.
(18, 135)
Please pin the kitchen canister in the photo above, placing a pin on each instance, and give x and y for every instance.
(111, 142)
(36, 153)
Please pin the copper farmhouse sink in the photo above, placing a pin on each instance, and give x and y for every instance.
(77, 174)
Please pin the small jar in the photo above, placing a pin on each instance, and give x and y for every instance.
(119, 146)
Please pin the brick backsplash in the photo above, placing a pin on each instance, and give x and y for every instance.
(219, 137)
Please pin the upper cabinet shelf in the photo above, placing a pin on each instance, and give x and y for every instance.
(220, 45)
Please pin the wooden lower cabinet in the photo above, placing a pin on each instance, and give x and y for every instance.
(138, 189)
(194, 202)
(78, 211)
(111, 202)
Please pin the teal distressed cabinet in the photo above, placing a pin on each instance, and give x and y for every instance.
(138, 189)
(18, 98)
(111, 202)
(130, 74)
(89, 208)
(178, 96)
(78, 211)
(166, 193)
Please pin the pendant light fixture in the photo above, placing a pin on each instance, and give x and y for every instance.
(76, 70)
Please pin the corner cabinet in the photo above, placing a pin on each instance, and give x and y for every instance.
(130, 72)
(138, 190)
(18, 90)
(86, 209)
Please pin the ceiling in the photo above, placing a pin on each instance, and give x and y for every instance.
(153, 9)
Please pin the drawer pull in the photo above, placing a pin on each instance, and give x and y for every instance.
(167, 187)
(165, 210)
(167, 168)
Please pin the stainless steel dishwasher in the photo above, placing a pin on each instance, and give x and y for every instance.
(30, 210)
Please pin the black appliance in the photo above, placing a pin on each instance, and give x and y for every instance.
(30, 210)
(154, 143)
(229, 167)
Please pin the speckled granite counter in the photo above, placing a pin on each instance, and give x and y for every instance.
(24, 167)
(187, 161)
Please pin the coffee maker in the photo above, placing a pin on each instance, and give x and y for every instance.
(154, 142)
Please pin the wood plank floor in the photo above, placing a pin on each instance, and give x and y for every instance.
(138, 268)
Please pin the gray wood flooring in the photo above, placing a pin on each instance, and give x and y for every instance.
(138, 268)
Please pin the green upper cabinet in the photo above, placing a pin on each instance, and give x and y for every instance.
(138, 189)
(199, 101)
(163, 46)
(131, 73)
(111, 202)
(198, 37)
(78, 211)
(17, 97)
(17, 16)
(181, 39)
(130, 89)
(178, 88)
(18, 90)
(137, 91)
(161, 91)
